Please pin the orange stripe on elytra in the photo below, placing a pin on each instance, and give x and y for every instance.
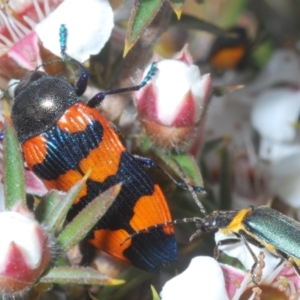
(151, 210)
(35, 150)
(65, 181)
(148, 211)
(227, 58)
(111, 242)
(73, 120)
(105, 159)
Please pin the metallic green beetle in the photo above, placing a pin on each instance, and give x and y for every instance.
(261, 226)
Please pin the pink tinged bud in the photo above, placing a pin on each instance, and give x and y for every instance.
(184, 55)
(24, 252)
(171, 106)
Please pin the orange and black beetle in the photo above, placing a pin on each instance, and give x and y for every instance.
(230, 51)
(62, 138)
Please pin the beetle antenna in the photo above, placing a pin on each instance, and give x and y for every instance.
(62, 43)
(63, 39)
(165, 224)
(192, 190)
(63, 33)
(65, 57)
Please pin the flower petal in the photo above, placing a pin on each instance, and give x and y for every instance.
(275, 112)
(34, 185)
(203, 279)
(273, 151)
(24, 253)
(283, 67)
(89, 24)
(26, 52)
(285, 178)
(233, 278)
(172, 89)
(23, 232)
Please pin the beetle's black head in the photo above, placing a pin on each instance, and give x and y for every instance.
(216, 220)
(40, 100)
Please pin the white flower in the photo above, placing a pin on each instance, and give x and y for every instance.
(274, 116)
(285, 178)
(207, 279)
(203, 279)
(282, 68)
(89, 24)
(240, 251)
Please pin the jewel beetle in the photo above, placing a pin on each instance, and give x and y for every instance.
(62, 138)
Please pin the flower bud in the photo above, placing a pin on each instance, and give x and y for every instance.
(171, 106)
(24, 251)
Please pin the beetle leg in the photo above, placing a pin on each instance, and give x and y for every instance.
(149, 163)
(284, 256)
(254, 277)
(224, 243)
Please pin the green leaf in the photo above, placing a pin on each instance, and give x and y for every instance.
(57, 210)
(262, 53)
(144, 142)
(231, 12)
(14, 177)
(76, 230)
(141, 16)
(183, 165)
(38, 290)
(154, 293)
(177, 7)
(134, 279)
(78, 275)
(46, 207)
